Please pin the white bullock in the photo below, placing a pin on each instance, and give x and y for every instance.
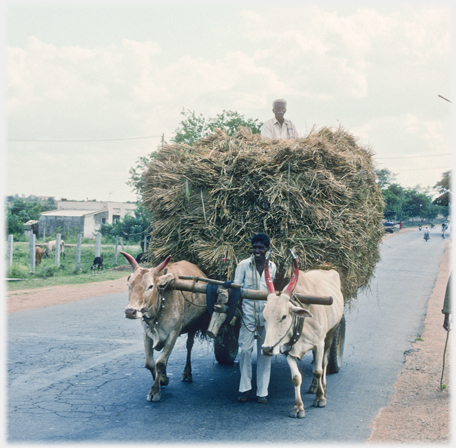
(50, 247)
(300, 328)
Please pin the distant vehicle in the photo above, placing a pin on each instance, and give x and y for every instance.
(389, 226)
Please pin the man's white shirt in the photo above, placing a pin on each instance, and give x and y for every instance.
(273, 129)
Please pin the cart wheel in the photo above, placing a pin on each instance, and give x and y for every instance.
(226, 351)
(336, 351)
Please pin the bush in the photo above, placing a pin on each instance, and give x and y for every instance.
(18, 271)
(46, 272)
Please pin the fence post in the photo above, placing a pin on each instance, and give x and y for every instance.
(32, 251)
(58, 237)
(98, 245)
(78, 251)
(116, 249)
(10, 251)
(145, 243)
(123, 249)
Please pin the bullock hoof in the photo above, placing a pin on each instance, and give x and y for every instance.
(153, 395)
(297, 413)
(319, 403)
(187, 378)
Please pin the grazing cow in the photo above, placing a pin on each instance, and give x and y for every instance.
(166, 314)
(97, 263)
(303, 328)
(50, 247)
(38, 254)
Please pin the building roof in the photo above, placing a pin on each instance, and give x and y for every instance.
(73, 212)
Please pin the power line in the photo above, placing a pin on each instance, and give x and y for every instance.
(83, 141)
(413, 157)
(416, 169)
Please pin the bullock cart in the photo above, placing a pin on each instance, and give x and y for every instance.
(223, 304)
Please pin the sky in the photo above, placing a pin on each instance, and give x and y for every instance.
(91, 88)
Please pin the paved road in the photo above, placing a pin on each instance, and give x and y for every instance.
(76, 371)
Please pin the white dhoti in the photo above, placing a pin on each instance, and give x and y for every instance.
(246, 342)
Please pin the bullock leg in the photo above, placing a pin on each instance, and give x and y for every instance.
(328, 342)
(320, 399)
(296, 377)
(160, 367)
(313, 387)
(150, 363)
(187, 374)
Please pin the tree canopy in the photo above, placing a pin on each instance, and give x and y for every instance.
(443, 186)
(404, 203)
(130, 228)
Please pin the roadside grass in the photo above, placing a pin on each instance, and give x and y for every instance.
(68, 280)
(48, 274)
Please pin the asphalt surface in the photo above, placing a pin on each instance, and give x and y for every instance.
(75, 372)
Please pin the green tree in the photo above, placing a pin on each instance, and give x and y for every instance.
(130, 228)
(26, 210)
(418, 204)
(19, 213)
(394, 196)
(443, 187)
(14, 224)
(385, 177)
(193, 127)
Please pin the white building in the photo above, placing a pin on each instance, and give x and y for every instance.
(84, 216)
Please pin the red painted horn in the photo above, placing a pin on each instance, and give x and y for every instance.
(131, 260)
(162, 265)
(267, 276)
(294, 278)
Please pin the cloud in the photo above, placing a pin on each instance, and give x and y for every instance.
(375, 70)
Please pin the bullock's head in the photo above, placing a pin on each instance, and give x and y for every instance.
(279, 311)
(143, 287)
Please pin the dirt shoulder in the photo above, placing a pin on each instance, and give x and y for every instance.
(27, 299)
(420, 411)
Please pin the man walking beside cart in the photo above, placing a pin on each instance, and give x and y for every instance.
(250, 274)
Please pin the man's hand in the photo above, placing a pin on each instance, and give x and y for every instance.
(446, 322)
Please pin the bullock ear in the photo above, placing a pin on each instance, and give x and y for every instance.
(165, 280)
(301, 312)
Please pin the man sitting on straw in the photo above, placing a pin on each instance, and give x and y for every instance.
(279, 127)
(250, 274)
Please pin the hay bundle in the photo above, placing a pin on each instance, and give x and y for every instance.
(317, 195)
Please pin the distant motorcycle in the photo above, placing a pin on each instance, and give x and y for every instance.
(426, 236)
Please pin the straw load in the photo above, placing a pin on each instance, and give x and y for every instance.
(316, 195)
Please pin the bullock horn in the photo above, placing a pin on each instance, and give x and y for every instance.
(131, 260)
(294, 278)
(267, 276)
(162, 265)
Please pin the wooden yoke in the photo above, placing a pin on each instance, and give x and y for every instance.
(186, 283)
